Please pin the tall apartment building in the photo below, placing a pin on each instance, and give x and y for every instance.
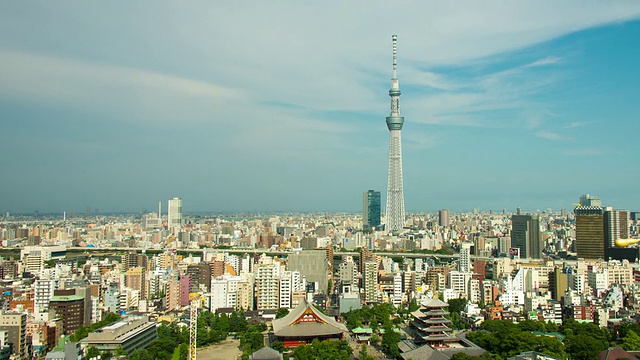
(464, 264)
(365, 255)
(347, 271)
(172, 294)
(133, 259)
(134, 278)
(616, 226)
(200, 275)
(526, 235)
(71, 309)
(244, 294)
(43, 292)
(285, 290)
(15, 324)
(370, 282)
(267, 286)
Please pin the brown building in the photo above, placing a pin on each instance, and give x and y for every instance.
(133, 259)
(71, 309)
(200, 274)
(217, 269)
(134, 279)
(480, 267)
(433, 278)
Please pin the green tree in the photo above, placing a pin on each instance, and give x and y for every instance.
(92, 352)
(252, 341)
(120, 352)
(282, 312)
(457, 305)
(583, 347)
(532, 325)
(363, 355)
(237, 321)
(278, 345)
(550, 326)
(390, 341)
(223, 323)
(631, 342)
(413, 305)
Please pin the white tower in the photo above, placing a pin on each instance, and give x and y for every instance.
(395, 193)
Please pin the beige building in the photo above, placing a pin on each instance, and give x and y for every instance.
(15, 324)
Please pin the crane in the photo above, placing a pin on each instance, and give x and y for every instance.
(194, 299)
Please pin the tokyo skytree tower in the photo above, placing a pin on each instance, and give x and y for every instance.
(395, 193)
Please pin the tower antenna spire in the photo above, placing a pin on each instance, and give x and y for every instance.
(395, 193)
(394, 38)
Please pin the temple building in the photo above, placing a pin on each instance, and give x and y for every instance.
(304, 324)
(432, 327)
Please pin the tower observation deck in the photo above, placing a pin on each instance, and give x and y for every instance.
(395, 193)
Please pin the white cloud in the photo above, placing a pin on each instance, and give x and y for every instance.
(549, 135)
(577, 124)
(549, 60)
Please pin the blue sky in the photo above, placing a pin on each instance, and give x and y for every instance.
(245, 106)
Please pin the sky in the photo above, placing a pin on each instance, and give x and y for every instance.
(245, 106)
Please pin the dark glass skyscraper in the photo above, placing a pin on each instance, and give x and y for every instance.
(371, 209)
(526, 236)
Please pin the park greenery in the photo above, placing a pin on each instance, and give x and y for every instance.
(335, 350)
(173, 340)
(580, 341)
(378, 316)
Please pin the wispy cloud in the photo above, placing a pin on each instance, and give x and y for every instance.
(132, 93)
(577, 124)
(549, 135)
(549, 60)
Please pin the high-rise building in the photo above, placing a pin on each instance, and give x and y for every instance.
(590, 232)
(395, 193)
(370, 209)
(370, 282)
(526, 236)
(443, 217)
(15, 324)
(464, 264)
(70, 308)
(200, 276)
(174, 215)
(312, 265)
(267, 286)
(616, 226)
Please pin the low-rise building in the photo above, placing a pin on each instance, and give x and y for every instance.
(130, 333)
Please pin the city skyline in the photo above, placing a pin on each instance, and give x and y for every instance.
(271, 109)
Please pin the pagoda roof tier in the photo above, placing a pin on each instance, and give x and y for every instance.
(434, 303)
(435, 329)
(436, 312)
(419, 325)
(440, 337)
(436, 321)
(430, 329)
